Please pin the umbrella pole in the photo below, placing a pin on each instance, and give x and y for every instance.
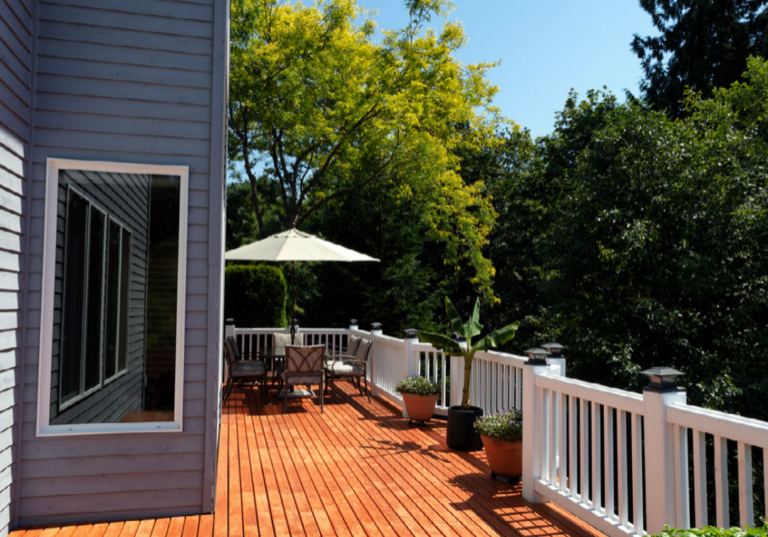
(293, 306)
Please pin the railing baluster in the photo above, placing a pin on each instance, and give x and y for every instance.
(573, 410)
(765, 479)
(746, 510)
(584, 451)
(597, 467)
(444, 380)
(546, 427)
(519, 389)
(721, 481)
(700, 479)
(554, 427)
(623, 482)
(563, 437)
(608, 474)
(500, 387)
(637, 473)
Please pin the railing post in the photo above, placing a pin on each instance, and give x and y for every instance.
(375, 331)
(659, 461)
(411, 363)
(353, 324)
(533, 424)
(229, 330)
(555, 357)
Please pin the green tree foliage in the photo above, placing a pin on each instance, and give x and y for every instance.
(702, 45)
(255, 296)
(656, 253)
(328, 111)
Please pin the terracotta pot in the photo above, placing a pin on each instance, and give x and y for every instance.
(419, 407)
(504, 458)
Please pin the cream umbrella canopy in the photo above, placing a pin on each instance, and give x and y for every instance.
(294, 245)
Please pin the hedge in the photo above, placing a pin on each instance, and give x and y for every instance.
(710, 531)
(255, 296)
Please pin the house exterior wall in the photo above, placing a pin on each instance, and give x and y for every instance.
(138, 82)
(16, 53)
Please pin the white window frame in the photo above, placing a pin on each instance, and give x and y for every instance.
(118, 372)
(44, 427)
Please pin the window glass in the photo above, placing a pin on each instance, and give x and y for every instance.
(117, 300)
(73, 297)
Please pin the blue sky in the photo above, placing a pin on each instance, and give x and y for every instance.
(546, 47)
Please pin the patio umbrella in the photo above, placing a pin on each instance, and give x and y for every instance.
(294, 245)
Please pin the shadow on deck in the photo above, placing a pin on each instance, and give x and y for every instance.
(357, 469)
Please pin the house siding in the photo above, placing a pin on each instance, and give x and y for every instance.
(16, 45)
(130, 82)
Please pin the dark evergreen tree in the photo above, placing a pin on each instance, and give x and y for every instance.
(703, 44)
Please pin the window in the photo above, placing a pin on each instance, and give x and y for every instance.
(113, 298)
(95, 299)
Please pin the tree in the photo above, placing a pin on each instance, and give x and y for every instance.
(319, 111)
(703, 45)
(657, 256)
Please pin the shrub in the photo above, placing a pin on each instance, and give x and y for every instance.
(711, 531)
(417, 386)
(507, 425)
(255, 296)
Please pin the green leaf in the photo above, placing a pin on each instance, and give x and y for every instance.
(455, 319)
(473, 326)
(499, 337)
(440, 342)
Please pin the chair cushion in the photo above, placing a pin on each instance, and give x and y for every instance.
(362, 349)
(341, 369)
(279, 341)
(301, 379)
(353, 343)
(248, 369)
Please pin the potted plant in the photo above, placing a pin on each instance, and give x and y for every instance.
(502, 436)
(420, 397)
(460, 432)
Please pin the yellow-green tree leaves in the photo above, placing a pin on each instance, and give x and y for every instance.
(319, 108)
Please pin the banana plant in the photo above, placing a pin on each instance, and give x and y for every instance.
(469, 330)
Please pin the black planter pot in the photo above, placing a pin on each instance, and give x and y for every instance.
(461, 433)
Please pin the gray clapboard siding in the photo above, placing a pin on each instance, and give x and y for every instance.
(133, 39)
(104, 70)
(15, 98)
(125, 20)
(129, 82)
(102, 484)
(168, 8)
(110, 53)
(96, 504)
(189, 130)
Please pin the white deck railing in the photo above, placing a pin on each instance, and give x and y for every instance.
(616, 459)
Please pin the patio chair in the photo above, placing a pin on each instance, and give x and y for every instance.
(352, 366)
(304, 366)
(241, 370)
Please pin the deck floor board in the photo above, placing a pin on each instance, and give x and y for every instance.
(357, 470)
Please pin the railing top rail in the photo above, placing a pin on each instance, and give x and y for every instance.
(619, 399)
(501, 357)
(381, 338)
(239, 330)
(424, 347)
(747, 430)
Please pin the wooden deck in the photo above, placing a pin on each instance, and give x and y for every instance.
(356, 470)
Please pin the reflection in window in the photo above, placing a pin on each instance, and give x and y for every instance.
(115, 320)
